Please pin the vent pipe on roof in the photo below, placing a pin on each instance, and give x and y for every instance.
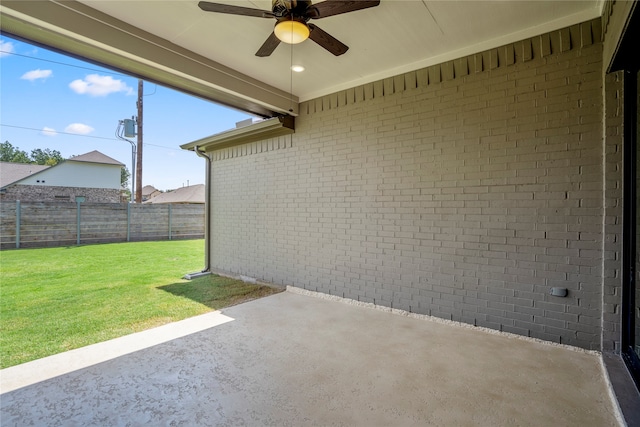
(207, 217)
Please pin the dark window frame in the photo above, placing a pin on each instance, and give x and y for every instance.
(629, 227)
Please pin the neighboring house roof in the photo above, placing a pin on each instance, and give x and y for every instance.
(12, 172)
(148, 190)
(191, 194)
(95, 157)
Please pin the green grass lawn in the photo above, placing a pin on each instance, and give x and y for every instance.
(57, 299)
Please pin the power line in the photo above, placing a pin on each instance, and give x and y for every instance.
(85, 136)
(56, 132)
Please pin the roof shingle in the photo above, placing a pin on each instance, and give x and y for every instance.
(95, 157)
(12, 172)
(191, 194)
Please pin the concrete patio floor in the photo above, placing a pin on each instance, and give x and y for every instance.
(295, 360)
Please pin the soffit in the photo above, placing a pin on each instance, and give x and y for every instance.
(394, 37)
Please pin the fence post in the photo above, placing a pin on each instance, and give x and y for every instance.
(128, 222)
(18, 224)
(78, 222)
(170, 217)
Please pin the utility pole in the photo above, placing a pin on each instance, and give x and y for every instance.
(139, 162)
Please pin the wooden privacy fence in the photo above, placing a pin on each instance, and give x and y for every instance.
(48, 224)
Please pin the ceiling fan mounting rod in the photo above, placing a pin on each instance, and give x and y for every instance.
(281, 8)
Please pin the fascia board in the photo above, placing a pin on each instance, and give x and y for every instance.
(271, 128)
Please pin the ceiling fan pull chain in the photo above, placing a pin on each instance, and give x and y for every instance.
(291, 82)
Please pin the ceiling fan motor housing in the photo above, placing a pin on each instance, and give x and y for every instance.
(282, 8)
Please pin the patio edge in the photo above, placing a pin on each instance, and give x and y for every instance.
(29, 373)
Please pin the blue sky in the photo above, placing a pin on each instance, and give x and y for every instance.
(49, 100)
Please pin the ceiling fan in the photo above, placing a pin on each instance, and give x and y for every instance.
(292, 18)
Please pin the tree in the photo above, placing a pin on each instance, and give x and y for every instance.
(9, 153)
(124, 177)
(46, 157)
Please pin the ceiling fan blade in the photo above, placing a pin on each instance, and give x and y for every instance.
(234, 10)
(268, 46)
(327, 41)
(337, 7)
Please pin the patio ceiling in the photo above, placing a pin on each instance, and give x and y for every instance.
(212, 55)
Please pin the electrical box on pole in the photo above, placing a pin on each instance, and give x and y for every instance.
(129, 128)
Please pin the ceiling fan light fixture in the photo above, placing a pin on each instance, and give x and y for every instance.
(292, 32)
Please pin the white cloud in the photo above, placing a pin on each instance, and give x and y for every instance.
(36, 74)
(96, 85)
(79, 128)
(6, 48)
(47, 131)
